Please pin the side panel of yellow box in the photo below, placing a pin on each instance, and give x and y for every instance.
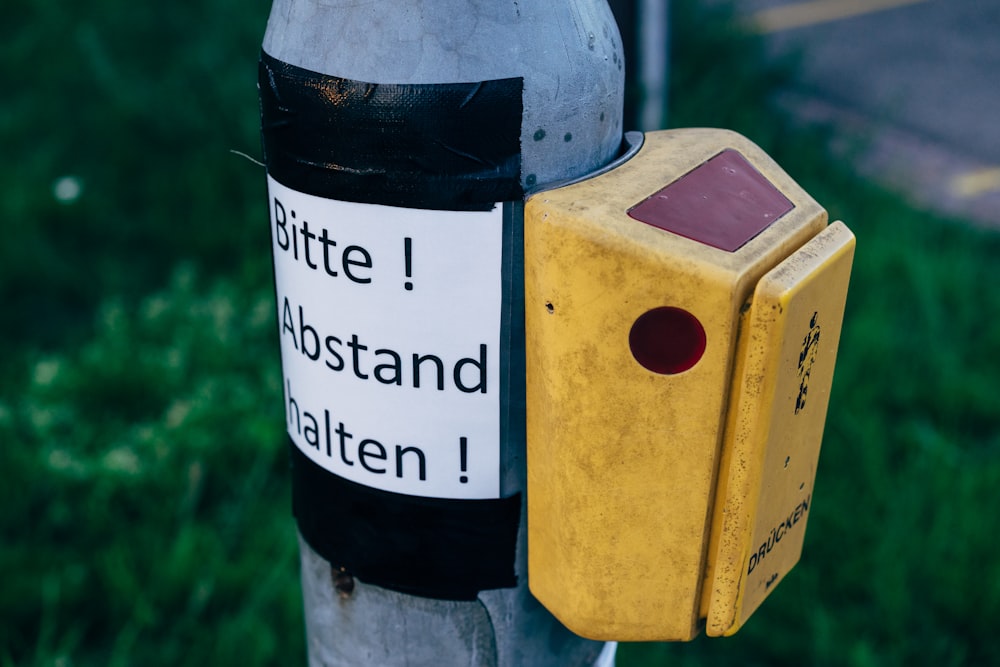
(787, 353)
(638, 557)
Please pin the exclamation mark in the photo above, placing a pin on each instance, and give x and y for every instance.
(463, 458)
(408, 259)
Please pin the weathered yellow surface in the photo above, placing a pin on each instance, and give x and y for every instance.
(780, 395)
(623, 462)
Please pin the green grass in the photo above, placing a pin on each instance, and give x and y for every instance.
(144, 512)
(145, 506)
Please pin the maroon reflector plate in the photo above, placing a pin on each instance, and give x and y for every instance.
(723, 203)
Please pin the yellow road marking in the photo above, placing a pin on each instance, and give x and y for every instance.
(804, 14)
(975, 183)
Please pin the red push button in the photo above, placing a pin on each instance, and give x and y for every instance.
(667, 340)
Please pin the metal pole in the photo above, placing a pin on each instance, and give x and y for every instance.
(653, 62)
(568, 60)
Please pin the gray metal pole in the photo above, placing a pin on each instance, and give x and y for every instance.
(569, 54)
(653, 62)
(570, 58)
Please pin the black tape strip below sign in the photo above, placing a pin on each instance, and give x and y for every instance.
(431, 547)
(452, 146)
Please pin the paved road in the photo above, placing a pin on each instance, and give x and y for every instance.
(918, 79)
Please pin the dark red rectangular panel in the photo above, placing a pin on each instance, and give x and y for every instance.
(723, 203)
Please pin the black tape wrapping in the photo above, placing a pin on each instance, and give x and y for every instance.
(452, 146)
(431, 547)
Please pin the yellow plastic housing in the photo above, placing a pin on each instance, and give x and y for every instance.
(626, 538)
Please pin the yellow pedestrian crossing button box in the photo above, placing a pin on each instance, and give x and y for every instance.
(682, 317)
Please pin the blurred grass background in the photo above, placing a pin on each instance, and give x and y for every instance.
(144, 508)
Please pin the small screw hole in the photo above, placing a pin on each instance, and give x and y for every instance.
(343, 583)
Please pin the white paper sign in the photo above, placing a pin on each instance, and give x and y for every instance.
(389, 321)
